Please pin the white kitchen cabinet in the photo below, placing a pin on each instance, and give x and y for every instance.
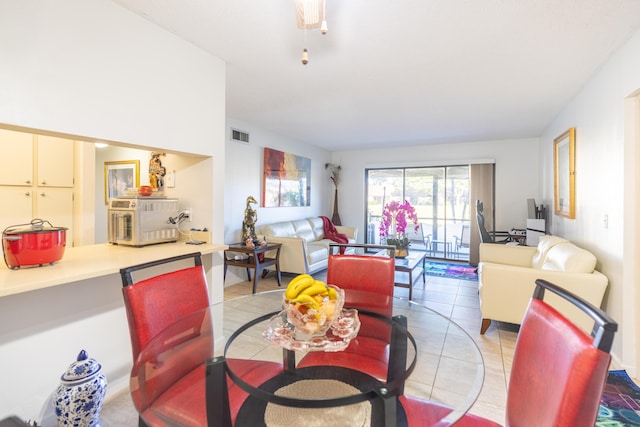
(36, 180)
(23, 204)
(52, 157)
(54, 161)
(16, 162)
(56, 206)
(17, 205)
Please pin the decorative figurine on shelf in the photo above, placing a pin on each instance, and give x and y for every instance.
(249, 222)
(156, 171)
(249, 242)
(78, 400)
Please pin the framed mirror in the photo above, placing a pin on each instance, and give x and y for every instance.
(564, 164)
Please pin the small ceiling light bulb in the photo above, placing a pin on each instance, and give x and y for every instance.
(323, 27)
(305, 57)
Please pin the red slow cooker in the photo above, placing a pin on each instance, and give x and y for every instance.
(33, 244)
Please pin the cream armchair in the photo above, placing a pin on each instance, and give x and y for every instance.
(507, 277)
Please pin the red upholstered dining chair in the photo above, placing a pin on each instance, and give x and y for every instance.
(374, 274)
(368, 282)
(171, 295)
(558, 370)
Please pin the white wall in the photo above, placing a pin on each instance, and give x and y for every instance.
(516, 174)
(603, 180)
(243, 178)
(93, 69)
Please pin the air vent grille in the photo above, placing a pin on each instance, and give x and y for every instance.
(239, 136)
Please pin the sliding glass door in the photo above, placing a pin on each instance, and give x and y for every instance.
(440, 196)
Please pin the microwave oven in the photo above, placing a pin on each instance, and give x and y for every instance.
(142, 220)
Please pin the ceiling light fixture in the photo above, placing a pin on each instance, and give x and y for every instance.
(310, 15)
(323, 27)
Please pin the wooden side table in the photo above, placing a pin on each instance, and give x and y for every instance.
(238, 255)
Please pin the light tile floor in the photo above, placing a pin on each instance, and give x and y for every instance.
(457, 299)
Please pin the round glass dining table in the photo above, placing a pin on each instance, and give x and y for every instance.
(429, 357)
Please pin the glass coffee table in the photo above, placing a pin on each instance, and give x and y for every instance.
(408, 266)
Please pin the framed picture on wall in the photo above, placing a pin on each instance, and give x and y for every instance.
(287, 179)
(564, 165)
(120, 175)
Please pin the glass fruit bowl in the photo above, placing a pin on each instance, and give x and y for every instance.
(313, 315)
(282, 333)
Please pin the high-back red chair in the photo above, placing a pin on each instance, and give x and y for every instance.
(558, 370)
(368, 282)
(154, 303)
(371, 276)
(170, 295)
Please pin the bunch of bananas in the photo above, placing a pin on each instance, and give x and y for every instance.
(311, 305)
(305, 289)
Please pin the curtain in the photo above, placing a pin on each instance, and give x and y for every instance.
(482, 187)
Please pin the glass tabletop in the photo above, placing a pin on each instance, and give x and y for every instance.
(411, 261)
(441, 363)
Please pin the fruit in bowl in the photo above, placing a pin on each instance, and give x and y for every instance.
(145, 190)
(311, 305)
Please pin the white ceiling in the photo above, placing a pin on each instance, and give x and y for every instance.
(402, 72)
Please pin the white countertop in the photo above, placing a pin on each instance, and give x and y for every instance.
(86, 262)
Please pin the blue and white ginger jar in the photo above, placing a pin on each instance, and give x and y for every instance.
(79, 397)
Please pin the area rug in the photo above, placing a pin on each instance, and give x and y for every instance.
(453, 271)
(620, 402)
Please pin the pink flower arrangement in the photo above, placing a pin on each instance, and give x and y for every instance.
(395, 217)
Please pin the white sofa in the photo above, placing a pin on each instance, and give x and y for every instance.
(507, 276)
(304, 246)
